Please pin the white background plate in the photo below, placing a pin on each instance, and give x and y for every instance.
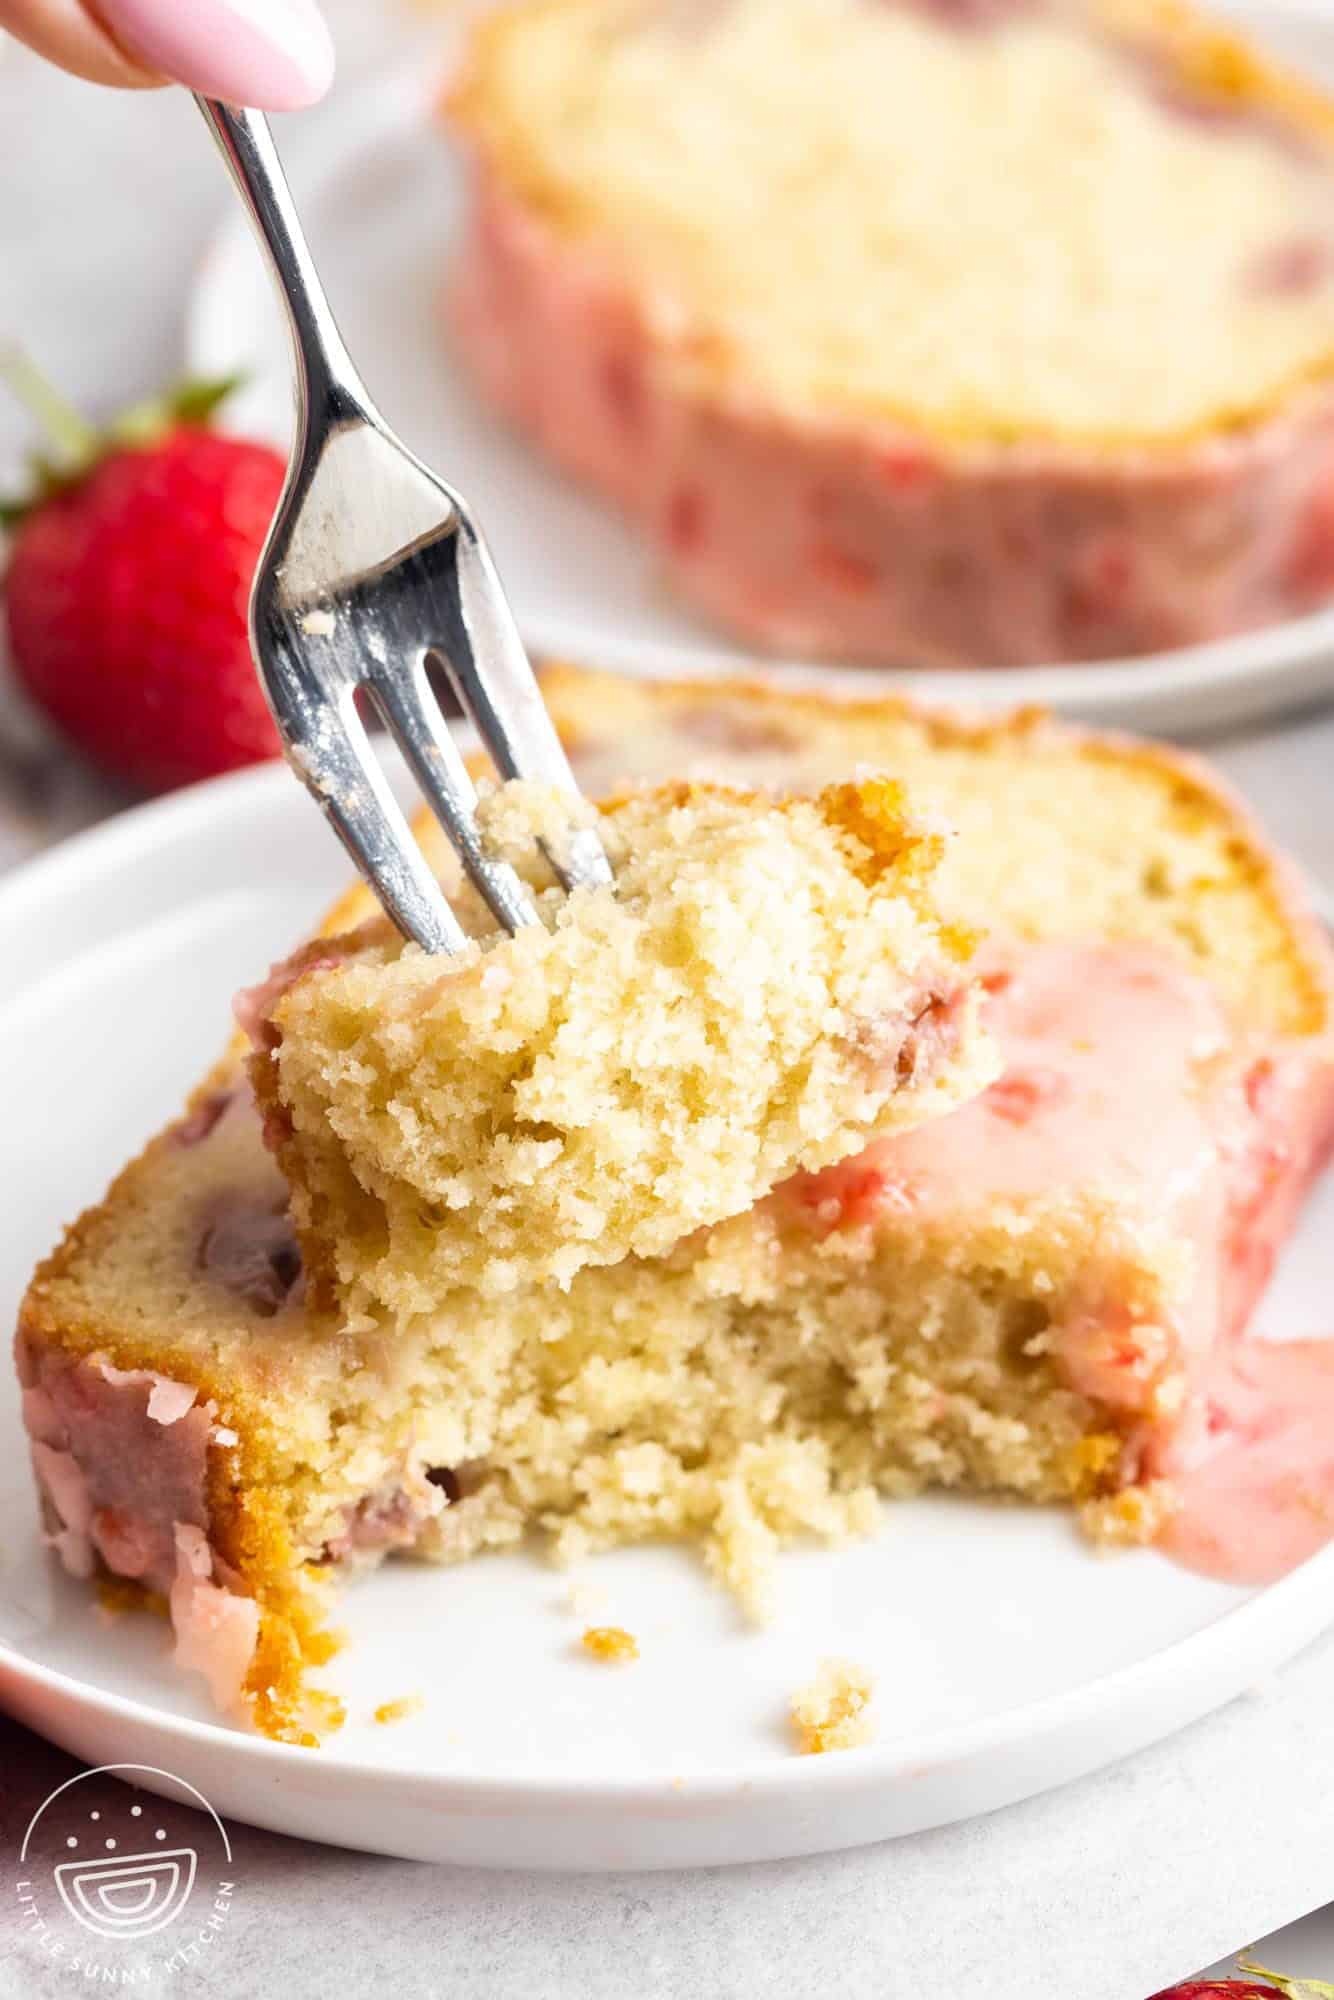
(381, 194)
(1008, 1656)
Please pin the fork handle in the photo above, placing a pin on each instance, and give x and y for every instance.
(325, 374)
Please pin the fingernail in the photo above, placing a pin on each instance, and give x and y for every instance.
(274, 54)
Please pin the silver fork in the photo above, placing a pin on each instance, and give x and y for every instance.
(374, 568)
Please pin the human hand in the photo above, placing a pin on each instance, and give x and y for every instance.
(274, 54)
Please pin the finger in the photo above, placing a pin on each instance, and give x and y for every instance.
(275, 54)
(65, 32)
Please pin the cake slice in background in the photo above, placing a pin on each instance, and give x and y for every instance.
(1029, 1297)
(912, 331)
(765, 988)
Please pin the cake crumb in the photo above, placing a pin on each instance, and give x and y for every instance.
(398, 1710)
(321, 1715)
(1092, 1461)
(611, 1643)
(511, 817)
(833, 1711)
(1132, 1518)
(115, 1595)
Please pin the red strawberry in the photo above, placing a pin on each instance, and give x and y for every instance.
(127, 587)
(1264, 1987)
(1216, 1989)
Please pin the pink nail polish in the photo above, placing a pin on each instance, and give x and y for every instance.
(274, 54)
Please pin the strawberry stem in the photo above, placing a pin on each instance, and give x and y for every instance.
(75, 441)
(75, 446)
(193, 401)
(1295, 1989)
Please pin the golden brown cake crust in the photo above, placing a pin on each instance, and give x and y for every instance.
(77, 1306)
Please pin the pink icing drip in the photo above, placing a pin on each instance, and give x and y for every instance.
(168, 1401)
(1255, 1471)
(126, 1541)
(216, 1630)
(120, 1455)
(41, 1418)
(1123, 1078)
(1101, 1044)
(62, 1480)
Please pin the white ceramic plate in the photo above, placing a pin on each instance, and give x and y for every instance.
(381, 195)
(1008, 1656)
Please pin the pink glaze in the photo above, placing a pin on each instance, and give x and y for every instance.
(873, 543)
(1100, 1043)
(120, 1456)
(1255, 1473)
(1122, 1081)
(60, 1478)
(168, 1401)
(216, 1630)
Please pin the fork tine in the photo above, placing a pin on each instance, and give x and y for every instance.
(504, 702)
(367, 542)
(340, 770)
(405, 700)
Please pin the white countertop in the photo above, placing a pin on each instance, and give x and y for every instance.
(1102, 1891)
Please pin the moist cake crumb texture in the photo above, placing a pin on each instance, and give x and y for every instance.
(833, 1710)
(766, 988)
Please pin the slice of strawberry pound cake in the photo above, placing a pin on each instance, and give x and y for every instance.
(765, 989)
(957, 332)
(1043, 1293)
